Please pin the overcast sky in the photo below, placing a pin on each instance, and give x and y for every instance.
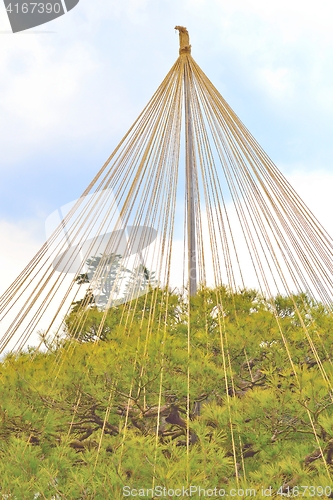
(70, 89)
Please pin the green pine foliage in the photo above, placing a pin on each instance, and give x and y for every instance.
(80, 420)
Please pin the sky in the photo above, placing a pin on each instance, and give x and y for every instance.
(70, 89)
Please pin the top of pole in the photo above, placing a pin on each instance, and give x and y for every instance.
(184, 40)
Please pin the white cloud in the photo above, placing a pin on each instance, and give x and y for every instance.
(63, 85)
(19, 245)
(38, 96)
(315, 187)
(52, 91)
(37, 92)
(280, 47)
(278, 82)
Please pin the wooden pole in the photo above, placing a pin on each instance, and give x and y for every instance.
(184, 51)
(192, 258)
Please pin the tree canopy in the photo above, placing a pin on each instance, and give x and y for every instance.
(127, 396)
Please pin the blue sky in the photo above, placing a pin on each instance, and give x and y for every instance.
(68, 96)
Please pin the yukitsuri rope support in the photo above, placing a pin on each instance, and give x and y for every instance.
(242, 221)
